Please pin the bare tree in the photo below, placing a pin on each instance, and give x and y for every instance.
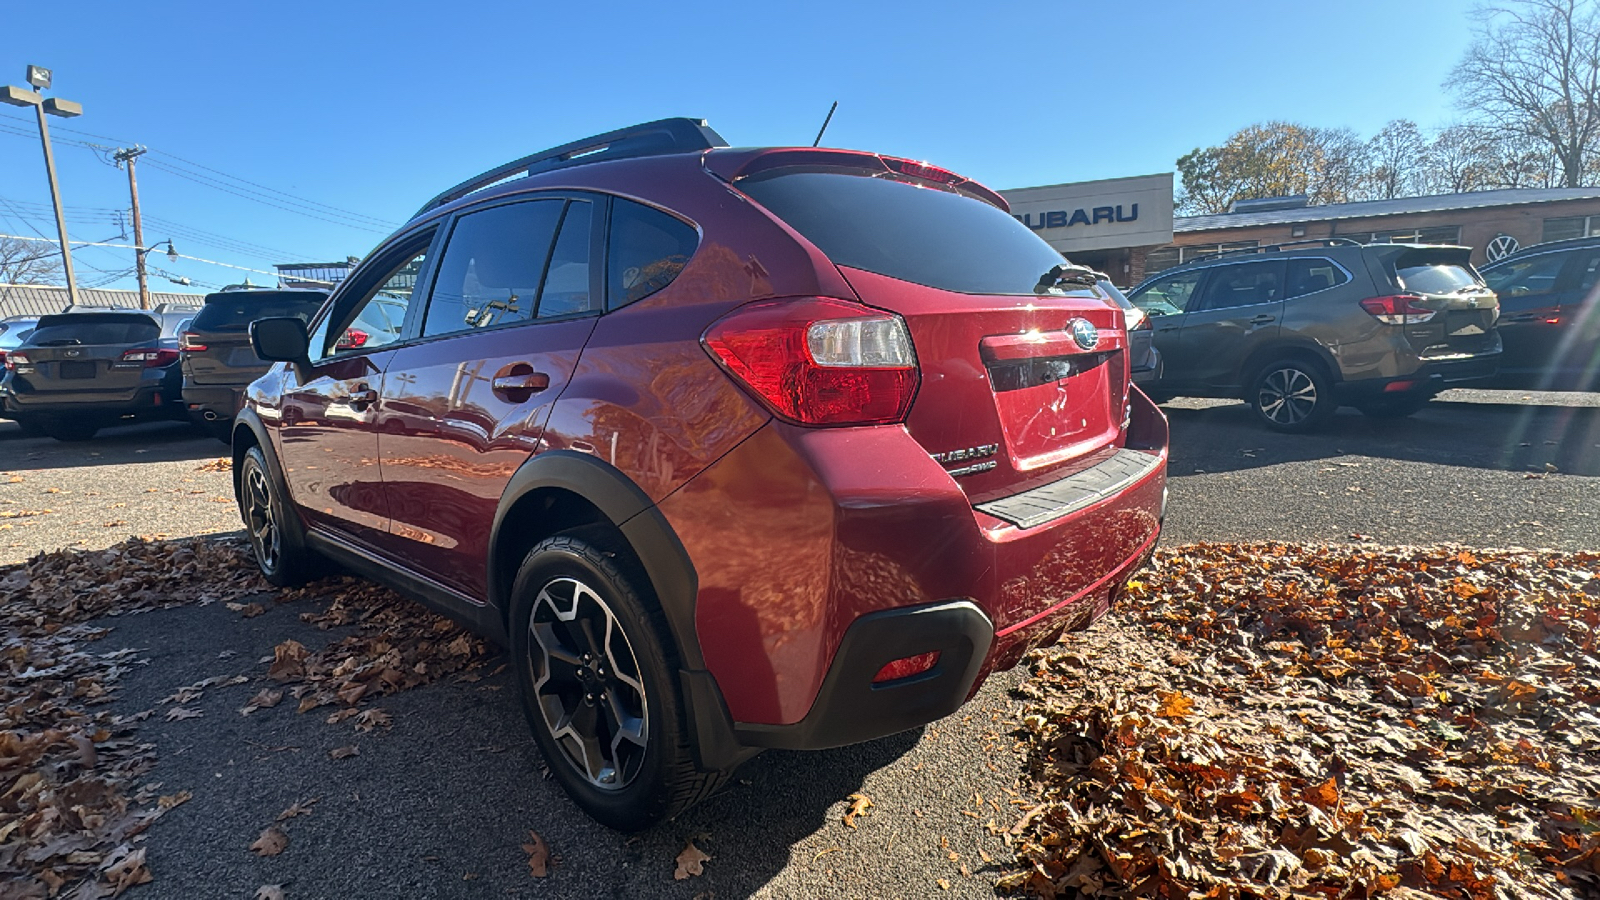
(1534, 70)
(29, 262)
(1396, 154)
(1460, 158)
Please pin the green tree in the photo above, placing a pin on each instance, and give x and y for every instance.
(1272, 159)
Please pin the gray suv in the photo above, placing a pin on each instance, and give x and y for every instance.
(1297, 330)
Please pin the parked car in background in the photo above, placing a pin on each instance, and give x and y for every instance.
(81, 371)
(734, 448)
(1549, 315)
(1296, 330)
(217, 360)
(1144, 360)
(13, 331)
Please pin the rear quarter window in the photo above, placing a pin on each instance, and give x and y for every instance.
(923, 235)
(646, 250)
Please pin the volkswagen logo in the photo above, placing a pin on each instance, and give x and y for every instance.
(1084, 334)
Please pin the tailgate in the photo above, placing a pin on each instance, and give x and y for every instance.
(220, 359)
(1464, 309)
(1016, 391)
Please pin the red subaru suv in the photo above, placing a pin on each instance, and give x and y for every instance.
(732, 448)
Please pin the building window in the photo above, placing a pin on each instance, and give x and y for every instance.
(1166, 257)
(1297, 231)
(1570, 227)
(1444, 234)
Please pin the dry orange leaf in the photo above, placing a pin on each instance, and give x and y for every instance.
(858, 807)
(538, 855)
(1174, 705)
(344, 752)
(690, 862)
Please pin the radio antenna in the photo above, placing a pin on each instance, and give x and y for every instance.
(825, 123)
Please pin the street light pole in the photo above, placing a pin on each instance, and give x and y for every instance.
(40, 78)
(128, 156)
(55, 198)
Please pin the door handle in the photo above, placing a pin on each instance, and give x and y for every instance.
(518, 382)
(1263, 320)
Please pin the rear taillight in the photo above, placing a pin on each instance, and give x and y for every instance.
(1398, 309)
(1137, 319)
(16, 359)
(818, 361)
(351, 339)
(150, 357)
(191, 342)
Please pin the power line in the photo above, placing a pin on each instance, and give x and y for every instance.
(179, 255)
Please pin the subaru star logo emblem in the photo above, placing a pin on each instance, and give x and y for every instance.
(1084, 333)
(74, 353)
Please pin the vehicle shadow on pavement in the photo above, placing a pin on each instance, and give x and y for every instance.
(140, 443)
(440, 803)
(1504, 436)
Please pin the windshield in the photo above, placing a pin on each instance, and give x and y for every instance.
(235, 312)
(93, 330)
(922, 235)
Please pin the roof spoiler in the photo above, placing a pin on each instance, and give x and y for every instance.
(658, 138)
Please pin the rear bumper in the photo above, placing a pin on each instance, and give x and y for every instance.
(823, 554)
(1431, 377)
(222, 402)
(149, 401)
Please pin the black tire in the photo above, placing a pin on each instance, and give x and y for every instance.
(585, 693)
(30, 427)
(1292, 395)
(280, 552)
(1394, 407)
(67, 430)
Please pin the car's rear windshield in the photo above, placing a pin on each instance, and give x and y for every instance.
(94, 329)
(235, 312)
(921, 235)
(1435, 270)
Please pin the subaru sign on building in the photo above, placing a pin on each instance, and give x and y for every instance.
(1097, 223)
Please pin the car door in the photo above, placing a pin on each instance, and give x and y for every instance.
(510, 308)
(1239, 307)
(1165, 301)
(1531, 292)
(327, 424)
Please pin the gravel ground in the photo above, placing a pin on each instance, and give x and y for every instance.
(440, 804)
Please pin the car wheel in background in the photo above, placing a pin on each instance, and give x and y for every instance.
(1394, 407)
(598, 687)
(1292, 395)
(283, 560)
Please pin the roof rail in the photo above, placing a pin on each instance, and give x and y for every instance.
(663, 136)
(1273, 248)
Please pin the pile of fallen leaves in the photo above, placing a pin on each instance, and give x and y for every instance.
(71, 811)
(1271, 720)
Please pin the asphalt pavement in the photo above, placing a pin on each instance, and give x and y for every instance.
(440, 804)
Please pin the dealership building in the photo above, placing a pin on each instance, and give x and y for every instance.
(1126, 228)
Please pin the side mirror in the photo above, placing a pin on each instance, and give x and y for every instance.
(281, 340)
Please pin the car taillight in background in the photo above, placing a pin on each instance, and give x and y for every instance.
(1136, 319)
(1398, 309)
(150, 357)
(191, 342)
(351, 339)
(818, 361)
(16, 359)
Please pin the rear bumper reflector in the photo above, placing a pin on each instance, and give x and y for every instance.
(1057, 499)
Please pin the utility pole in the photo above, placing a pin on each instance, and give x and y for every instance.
(128, 156)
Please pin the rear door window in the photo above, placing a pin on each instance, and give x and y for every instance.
(1533, 275)
(926, 236)
(492, 265)
(646, 249)
(94, 330)
(1308, 276)
(1434, 271)
(1244, 284)
(568, 289)
(1168, 296)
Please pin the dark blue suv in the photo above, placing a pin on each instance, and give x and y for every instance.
(1549, 315)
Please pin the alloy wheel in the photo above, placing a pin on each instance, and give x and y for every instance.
(1287, 396)
(587, 683)
(264, 535)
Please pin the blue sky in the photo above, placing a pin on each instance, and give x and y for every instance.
(372, 108)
